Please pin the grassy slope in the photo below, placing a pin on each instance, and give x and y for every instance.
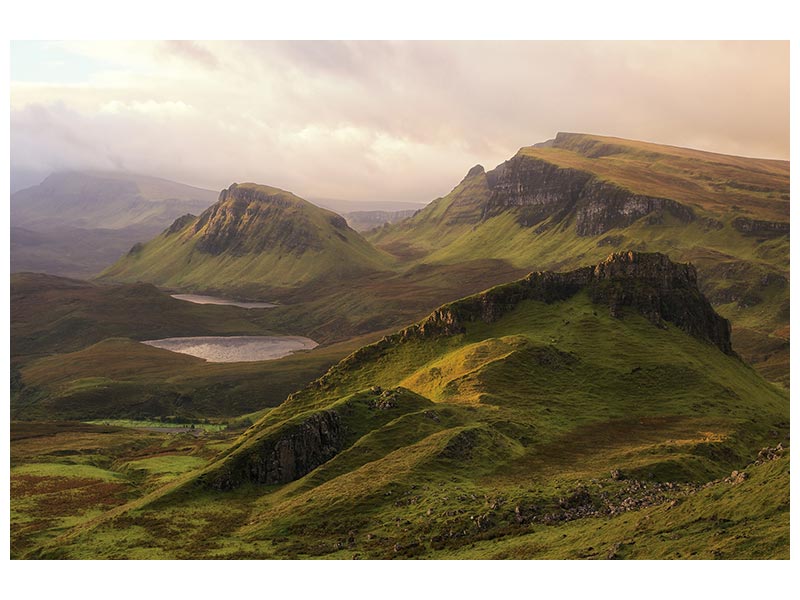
(75, 354)
(489, 429)
(173, 260)
(65, 473)
(53, 314)
(749, 268)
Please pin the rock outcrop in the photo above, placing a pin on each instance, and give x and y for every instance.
(288, 454)
(647, 283)
(247, 220)
(179, 224)
(538, 190)
(763, 228)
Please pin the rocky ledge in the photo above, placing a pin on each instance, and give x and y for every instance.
(544, 194)
(647, 283)
(288, 454)
(251, 220)
(763, 228)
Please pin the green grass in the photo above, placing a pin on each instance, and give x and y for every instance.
(65, 470)
(158, 424)
(732, 266)
(259, 257)
(521, 412)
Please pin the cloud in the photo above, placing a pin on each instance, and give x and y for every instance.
(389, 120)
(190, 51)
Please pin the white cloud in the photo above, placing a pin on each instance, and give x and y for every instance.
(387, 120)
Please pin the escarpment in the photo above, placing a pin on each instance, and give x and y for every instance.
(648, 283)
(251, 220)
(288, 454)
(539, 191)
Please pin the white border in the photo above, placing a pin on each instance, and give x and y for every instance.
(412, 19)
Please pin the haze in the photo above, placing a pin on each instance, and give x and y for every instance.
(378, 120)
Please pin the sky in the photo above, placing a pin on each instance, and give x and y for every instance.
(378, 121)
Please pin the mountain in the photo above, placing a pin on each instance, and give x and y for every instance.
(364, 220)
(25, 178)
(73, 251)
(258, 241)
(104, 201)
(573, 199)
(599, 412)
(76, 224)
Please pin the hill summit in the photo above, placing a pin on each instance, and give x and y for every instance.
(254, 240)
(108, 200)
(574, 199)
(644, 284)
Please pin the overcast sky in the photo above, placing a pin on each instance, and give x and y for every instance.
(382, 120)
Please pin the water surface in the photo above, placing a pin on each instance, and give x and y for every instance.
(198, 299)
(239, 348)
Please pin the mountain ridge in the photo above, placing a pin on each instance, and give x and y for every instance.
(107, 200)
(578, 197)
(256, 239)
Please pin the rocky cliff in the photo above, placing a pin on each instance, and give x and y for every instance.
(759, 227)
(288, 454)
(249, 220)
(538, 190)
(647, 283)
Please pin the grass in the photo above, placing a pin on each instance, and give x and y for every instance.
(65, 474)
(151, 424)
(488, 435)
(263, 259)
(733, 267)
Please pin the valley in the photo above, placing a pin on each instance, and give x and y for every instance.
(595, 413)
(582, 353)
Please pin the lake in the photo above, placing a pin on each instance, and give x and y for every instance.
(198, 299)
(240, 348)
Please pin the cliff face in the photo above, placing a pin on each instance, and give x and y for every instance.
(538, 190)
(247, 220)
(648, 283)
(285, 456)
(660, 290)
(762, 228)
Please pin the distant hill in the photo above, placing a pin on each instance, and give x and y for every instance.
(258, 240)
(75, 224)
(100, 200)
(578, 197)
(364, 220)
(347, 206)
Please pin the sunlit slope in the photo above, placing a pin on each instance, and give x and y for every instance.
(257, 241)
(570, 401)
(576, 198)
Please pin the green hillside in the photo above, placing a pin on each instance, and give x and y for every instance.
(256, 241)
(75, 354)
(578, 197)
(595, 413)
